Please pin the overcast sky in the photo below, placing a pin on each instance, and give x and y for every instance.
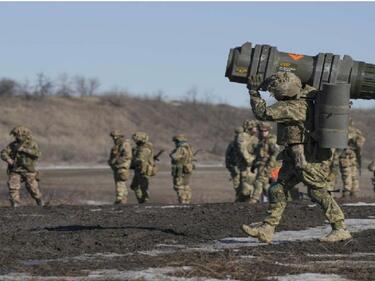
(172, 47)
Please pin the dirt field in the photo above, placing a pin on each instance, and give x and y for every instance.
(174, 242)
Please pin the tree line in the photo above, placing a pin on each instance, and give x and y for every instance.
(43, 86)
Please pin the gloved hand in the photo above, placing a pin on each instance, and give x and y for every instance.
(256, 83)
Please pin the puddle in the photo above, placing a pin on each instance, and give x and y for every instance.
(310, 277)
(150, 274)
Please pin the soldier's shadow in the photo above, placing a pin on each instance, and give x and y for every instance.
(75, 227)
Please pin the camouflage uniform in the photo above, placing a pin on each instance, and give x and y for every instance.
(182, 168)
(246, 143)
(144, 167)
(349, 161)
(21, 156)
(302, 160)
(371, 168)
(265, 153)
(119, 161)
(231, 162)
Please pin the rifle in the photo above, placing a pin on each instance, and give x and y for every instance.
(156, 157)
(358, 155)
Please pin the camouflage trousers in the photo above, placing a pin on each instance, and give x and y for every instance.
(140, 187)
(261, 182)
(182, 188)
(121, 176)
(235, 178)
(15, 181)
(246, 187)
(312, 170)
(349, 171)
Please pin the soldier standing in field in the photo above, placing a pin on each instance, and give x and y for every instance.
(21, 156)
(231, 162)
(350, 161)
(120, 160)
(144, 167)
(246, 143)
(302, 159)
(265, 160)
(182, 168)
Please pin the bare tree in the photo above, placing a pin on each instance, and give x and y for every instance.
(93, 85)
(8, 87)
(44, 85)
(80, 85)
(64, 85)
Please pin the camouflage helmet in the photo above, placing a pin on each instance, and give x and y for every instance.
(284, 84)
(249, 124)
(140, 137)
(371, 166)
(20, 131)
(116, 133)
(238, 130)
(179, 138)
(263, 126)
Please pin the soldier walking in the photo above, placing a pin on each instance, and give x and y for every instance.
(21, 156)
(120, 160)
(144, 167)
(182, 168)
(371, 168)
(350, 161)
(265, 153)
(231, 162)
(302, 159)
(246, 143)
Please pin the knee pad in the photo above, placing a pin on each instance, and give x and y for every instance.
(276, 193)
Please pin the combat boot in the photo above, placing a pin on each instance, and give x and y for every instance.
(264, 232)
(336, 235)
(39, 202)
(14, 204)
(253, 201)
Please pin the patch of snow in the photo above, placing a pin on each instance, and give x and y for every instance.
(150, 274)
(353, 255)
(310, 277)
(30, 215)
(95, 202)
(312, 205)
(168, 207)
(95, 210)
(354, 225)
(359, 204)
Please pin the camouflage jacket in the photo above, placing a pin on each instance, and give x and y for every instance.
(266, 151)
(182, 158)
(24, 154)
(246, 145)
(143, 158)
(294, 118)
(121, 154)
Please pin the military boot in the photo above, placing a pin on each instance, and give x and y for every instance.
(14, 204)
(264, 232)
(253, 201)
(39, 202)
(336, 235)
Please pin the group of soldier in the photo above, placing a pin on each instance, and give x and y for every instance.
(253, 159)
(22, 154)
(253, 163)
(141, 159)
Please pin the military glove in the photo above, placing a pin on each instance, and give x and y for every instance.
(256, 83)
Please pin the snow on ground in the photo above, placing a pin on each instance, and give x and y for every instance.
(150, 274)
(310, 277)
(354, 225)
(359, 204)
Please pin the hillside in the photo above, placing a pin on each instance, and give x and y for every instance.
(75, 130)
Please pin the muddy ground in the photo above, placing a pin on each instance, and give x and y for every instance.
(174, 242)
